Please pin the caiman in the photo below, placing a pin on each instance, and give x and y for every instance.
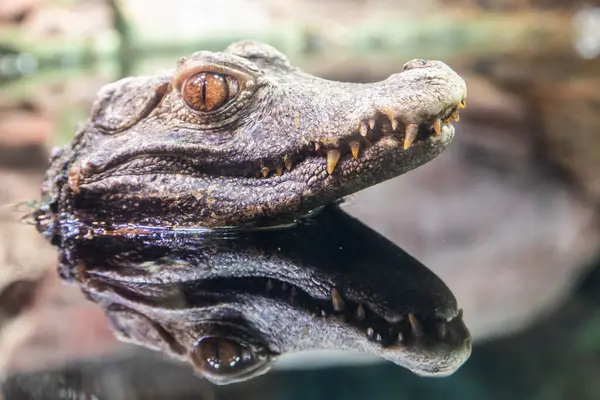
(242, 141)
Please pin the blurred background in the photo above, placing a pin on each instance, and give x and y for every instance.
(507, 216)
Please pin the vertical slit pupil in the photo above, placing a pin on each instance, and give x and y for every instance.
(209, 91)
(203, 80)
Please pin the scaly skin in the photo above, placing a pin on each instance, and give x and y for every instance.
(286, 144)
(241, 138)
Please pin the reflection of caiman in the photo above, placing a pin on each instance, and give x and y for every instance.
(232, 302)
(241, 138)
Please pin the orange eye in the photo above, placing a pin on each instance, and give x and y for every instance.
(209, 91)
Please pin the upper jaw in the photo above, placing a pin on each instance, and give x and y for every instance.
(408, 106)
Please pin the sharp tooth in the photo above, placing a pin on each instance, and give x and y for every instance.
(265, 171)
(279, 171)
(400, 337)
(455, 116)
(410, 134)
(372, 123)
(437, 126)
(360, 312)
(379, 338)
(363, 129)
(269, 285)
(394, 124)
(284, 286)
(337, 300)
(441, 330)
(333, 156)
(460, 314)
(462, 104)
(288, 163)
(355, 147)
(415, 325)
(317, 146)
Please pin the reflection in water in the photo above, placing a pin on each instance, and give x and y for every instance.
(232, 302)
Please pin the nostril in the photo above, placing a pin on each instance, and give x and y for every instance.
(417, 63)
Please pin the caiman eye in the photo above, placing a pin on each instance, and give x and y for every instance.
(220, 356)
(209, 91)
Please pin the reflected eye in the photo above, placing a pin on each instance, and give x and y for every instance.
(222, 356)
(209, 91)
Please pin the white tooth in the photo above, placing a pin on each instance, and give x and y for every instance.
(394, 124)
(333, 156)
(410, 134)
(372, 123)
(355, 148)
(437, 126)
(363, 129)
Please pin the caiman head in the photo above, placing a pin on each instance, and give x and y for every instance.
(241, 137)
(232, 305)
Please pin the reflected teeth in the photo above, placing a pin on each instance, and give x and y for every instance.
(410, 135)
(441, 330)
(354, 147)
(333, 156)
(279, 171)
(415, 325)
(370, 333)
(265, 171)
(360, 312)
(337, 300)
